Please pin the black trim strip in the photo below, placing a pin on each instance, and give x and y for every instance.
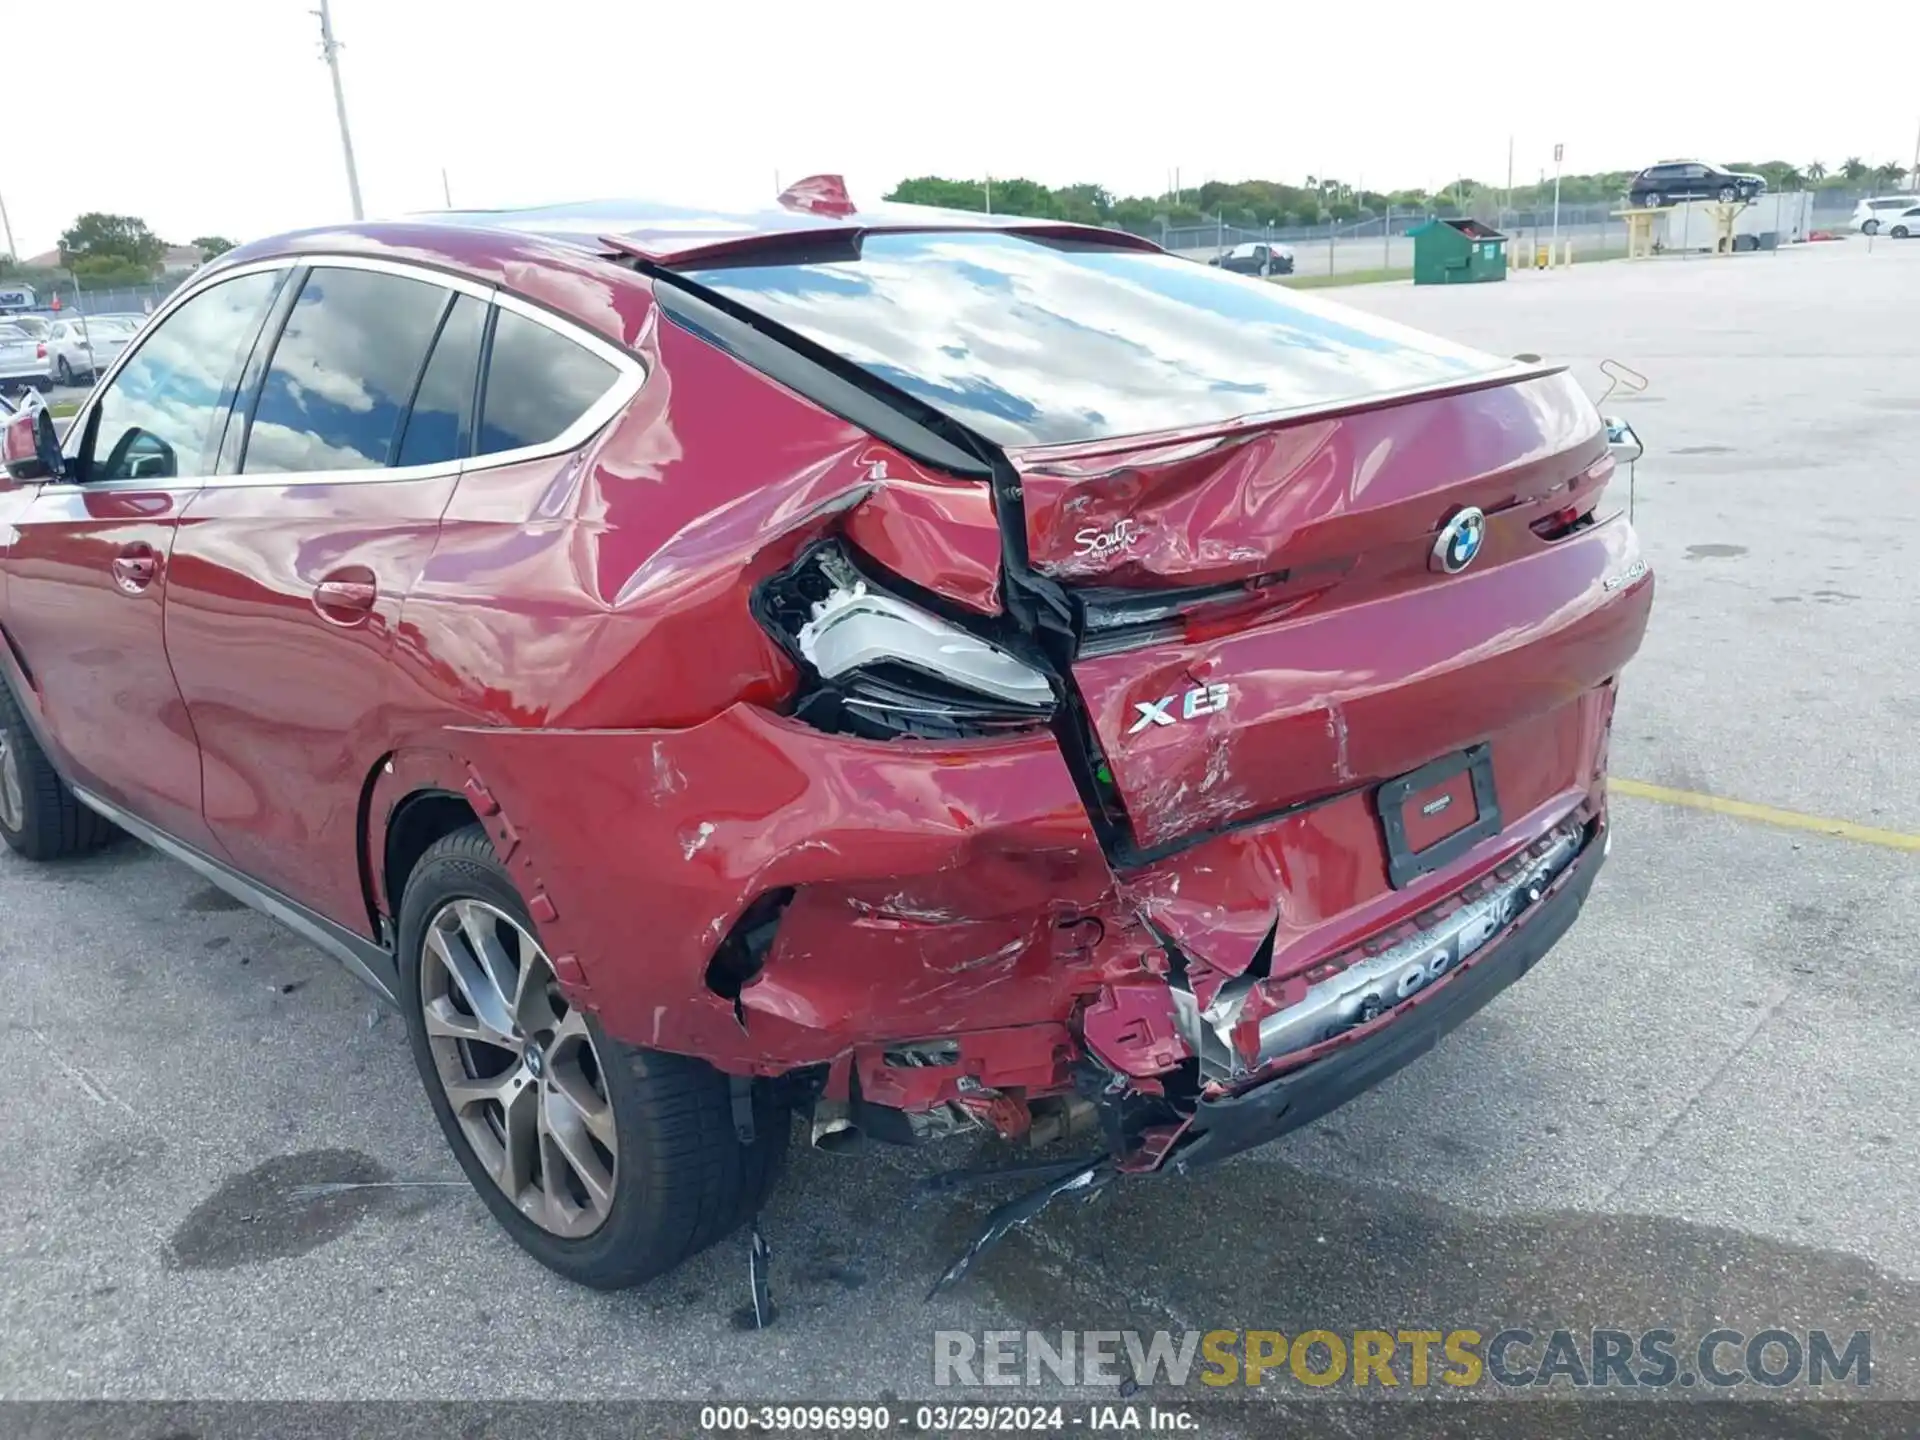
(264, 346)
(480, 375)
(370, 963)
(399, 437)
(817, 373)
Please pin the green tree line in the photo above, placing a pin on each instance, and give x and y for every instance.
(103, 251)
(1319, 199)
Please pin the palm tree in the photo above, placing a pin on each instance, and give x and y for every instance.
(1853, 169)
(1816, 172)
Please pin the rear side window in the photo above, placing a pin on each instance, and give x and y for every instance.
(538, 384)
(1029, 340)
(162, 416)
(442, 418)
(343, 372)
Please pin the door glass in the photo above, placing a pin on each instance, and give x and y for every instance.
(538, 383)
(164, 411)
(342, 372)
(442, 417)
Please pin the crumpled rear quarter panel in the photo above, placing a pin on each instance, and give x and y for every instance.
(941, 885)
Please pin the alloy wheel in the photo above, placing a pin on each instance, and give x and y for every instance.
(519, 1068)
(13, 799)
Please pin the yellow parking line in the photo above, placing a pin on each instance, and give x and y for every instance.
(1767, 814)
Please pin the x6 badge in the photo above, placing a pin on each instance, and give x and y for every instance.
(1201, 700)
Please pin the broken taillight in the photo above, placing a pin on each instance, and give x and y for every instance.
(880, 666)
(1564, 522)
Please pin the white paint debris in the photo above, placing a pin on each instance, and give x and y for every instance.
(1337, 730)
(691, 844)
(667, 780)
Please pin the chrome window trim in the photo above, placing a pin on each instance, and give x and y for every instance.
(630, 375)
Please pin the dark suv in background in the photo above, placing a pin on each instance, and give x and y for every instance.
(1692, 180)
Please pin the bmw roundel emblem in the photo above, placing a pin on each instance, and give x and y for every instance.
(1459, 541)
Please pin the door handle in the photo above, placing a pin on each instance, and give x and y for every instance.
(346, 601)
(136, 567)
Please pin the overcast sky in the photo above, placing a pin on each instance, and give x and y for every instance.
(215, 116)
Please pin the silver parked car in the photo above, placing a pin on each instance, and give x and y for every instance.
(81, 347)
(23, 358)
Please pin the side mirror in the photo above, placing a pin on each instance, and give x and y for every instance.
(1622, 441)
(30, 446)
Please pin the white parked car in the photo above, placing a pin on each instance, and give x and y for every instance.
(80, 349)
(1872, 215)
(1901, 224)
(23, 358)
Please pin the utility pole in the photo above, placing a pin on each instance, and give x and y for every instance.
(1558, 151)
(1915, 177)
(989, 194)
(330, 52)
(1508, 205)
(446, 190)
(7, 225)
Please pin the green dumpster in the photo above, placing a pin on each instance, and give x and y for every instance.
(1457, 252)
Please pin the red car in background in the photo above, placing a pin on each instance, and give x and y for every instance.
(920, 671)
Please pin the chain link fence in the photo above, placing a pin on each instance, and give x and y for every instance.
(121, 300)
(1380, 244)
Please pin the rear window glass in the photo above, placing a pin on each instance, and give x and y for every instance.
(1032, 341)
(538, 383)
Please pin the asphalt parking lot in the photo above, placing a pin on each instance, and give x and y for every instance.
(218, 1177)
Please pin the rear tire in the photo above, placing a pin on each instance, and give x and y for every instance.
(676, 1178)
(1899, 232)
(1653, 200)
(1728, 195)
(1869, 227)
(39, 816)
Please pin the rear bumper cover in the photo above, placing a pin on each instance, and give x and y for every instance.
(1228, 1124)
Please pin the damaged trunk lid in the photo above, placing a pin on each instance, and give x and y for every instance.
(1307, 554)
(1280, 613)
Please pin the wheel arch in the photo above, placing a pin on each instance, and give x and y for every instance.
(412, 798)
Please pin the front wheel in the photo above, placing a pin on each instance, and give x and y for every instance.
(607, 1163)
(39, 816)
(1728, 194)
(1899, 232)
(1653, 200)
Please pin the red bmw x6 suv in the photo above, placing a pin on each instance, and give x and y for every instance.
(917, 671)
